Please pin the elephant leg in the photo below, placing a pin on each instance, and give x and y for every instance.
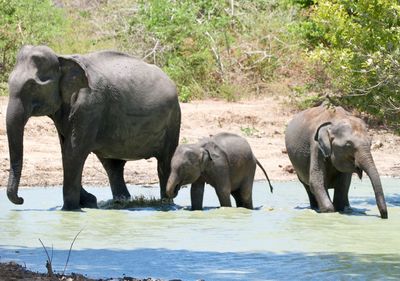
(341, 194)
(197, 194)
(322, 197)
(311, 197)
(163, 169)
(87, 200)
(75, 197)
(243, 198)
(224, 194)
(115, 172)
(245, 193)
(164, 160)
(318, 185)
(238, 199)
(78, 142)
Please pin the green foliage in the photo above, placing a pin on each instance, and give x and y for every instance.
(205, 45)
(249, 131)
(358, 43)
(211, 49)
(302, 3)
(189, 32)
(25, 22)
(3, 88)
(304, 97)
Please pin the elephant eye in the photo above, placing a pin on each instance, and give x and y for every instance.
(349, 144)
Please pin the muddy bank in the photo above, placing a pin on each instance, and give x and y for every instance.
(262, 122)
(12, 271)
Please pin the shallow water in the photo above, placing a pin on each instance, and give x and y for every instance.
(282, 239)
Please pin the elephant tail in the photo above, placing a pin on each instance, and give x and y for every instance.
(265, 173)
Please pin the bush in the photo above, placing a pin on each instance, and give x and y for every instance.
(213, 48)
(358, 42)
(25, 22)
(189, 34)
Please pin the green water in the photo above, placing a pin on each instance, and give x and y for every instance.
(281, 240)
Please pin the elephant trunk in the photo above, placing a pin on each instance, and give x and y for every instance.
(366, 163)
(172, 186)
(15, 123)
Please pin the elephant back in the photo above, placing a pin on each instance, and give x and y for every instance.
(120, 73)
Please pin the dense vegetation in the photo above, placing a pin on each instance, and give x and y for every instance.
(305, 49)
(358, 44)
(25, 22)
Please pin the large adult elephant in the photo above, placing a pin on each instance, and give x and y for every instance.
(325, 146)
(108, 103)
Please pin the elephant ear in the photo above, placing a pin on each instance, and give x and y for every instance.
(205, 159)
(74, 76)
(209, 153)
(323, 137)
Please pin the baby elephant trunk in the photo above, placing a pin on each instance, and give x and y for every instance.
(172, 186)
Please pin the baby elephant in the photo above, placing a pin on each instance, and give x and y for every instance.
(224, 161)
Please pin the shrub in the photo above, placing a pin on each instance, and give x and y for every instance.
(358, 42)
(211, 48)
(189, 34)
(25, 22)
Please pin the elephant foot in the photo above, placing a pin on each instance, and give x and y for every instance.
(87, 200)
(167, 201)
(122, 198)
(68, 206)
(346, 210)
(343, 208)
(327, 209)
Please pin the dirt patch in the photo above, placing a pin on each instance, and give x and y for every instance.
(261, 121)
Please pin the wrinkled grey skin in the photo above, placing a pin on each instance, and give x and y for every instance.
(325, 147)
(108, 103)
(224, 161)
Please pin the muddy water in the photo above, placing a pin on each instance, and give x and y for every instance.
(282, 239)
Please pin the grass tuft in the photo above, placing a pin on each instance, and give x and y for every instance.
(136, 202)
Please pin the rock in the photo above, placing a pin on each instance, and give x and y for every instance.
(378, 144)
(289, 169)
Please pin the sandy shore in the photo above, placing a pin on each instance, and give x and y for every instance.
(262, 122)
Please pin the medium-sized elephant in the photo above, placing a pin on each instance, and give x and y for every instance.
(224, 161)
(109, 103)
(326, 146)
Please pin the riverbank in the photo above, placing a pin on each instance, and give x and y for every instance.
(12, 271)
(261, 121)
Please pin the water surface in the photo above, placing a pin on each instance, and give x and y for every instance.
(282, 239)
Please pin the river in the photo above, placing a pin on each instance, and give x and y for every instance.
(282, 239)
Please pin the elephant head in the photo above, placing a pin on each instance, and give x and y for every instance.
(348, 146)
(39, 84)
(187, 165)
